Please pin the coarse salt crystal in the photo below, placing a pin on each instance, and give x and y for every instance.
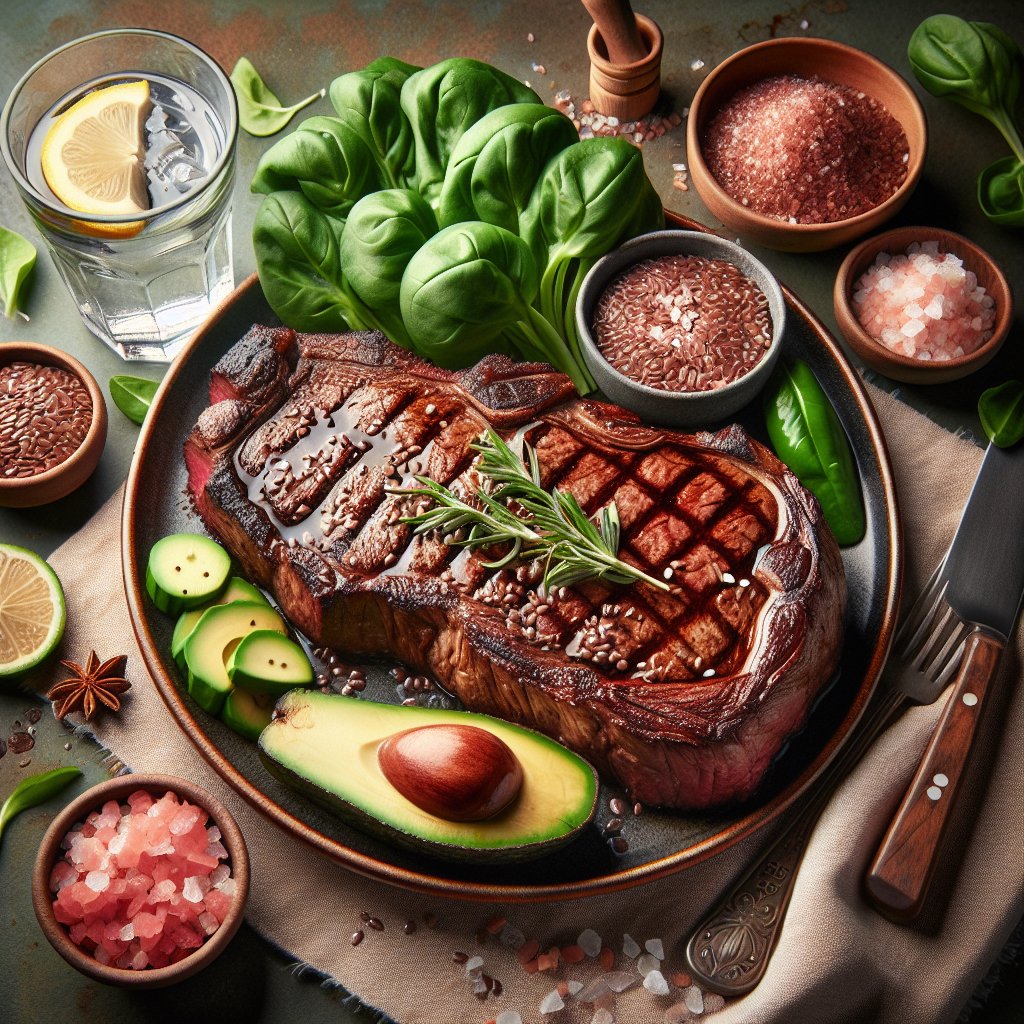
(647, 963)
(630, 946)
(508, 1017)
(552, 1002)
(191, 890)
(590, 942)
(97, 881)
(602, 1015)
(655, 946)
(694, 999)
(656, 984)
(619, 981)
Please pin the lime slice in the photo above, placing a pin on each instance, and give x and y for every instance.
(93, 156)
(31, 610)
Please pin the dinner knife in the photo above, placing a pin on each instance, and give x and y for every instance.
(981, 583)
(729, 951)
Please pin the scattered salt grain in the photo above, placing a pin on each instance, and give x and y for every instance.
(474, 963)
(97, 881)
(656, 984)
(619, 981)
(694, 999)
(647, 963)
(589, 941)
(593, 991)
(629, 946)
(602, 1016)
(656, 948)
(552, 1002)
(508, 1017)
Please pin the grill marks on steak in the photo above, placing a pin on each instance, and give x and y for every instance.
(684, 696)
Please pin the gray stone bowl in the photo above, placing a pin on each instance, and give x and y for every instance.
(685, 409)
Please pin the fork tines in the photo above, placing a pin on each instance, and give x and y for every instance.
(932, 636)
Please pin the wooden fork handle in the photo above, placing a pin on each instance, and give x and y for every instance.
(898, 880)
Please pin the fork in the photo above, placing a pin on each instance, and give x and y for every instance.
(730, 949)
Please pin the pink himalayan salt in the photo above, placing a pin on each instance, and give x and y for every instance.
(924, 304)
(121, 887)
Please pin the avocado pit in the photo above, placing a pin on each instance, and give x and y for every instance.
(456, 772)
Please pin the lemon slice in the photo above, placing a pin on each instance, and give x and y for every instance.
(93, 156)
(31, 610)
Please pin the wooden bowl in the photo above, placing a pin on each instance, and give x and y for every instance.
(905, 368)
(50, 852)
(49, 485)
(804, 57)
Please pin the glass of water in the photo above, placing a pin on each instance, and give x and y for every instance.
(145, 280)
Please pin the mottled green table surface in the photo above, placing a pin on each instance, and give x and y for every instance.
(299, 47)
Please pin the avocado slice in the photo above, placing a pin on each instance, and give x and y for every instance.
(212, 642)
(185, 570)
(267, 662)
(325, 746)
(236, 590)
(247, 713)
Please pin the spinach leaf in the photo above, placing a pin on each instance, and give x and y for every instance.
(1001, 410)
(326, 160)
(369, 102)
(441, 102)
(35, 790)
(1001, 192)
(467, 292)
(807, 435)
(133, 395)
(383, 231)
(980, 67)
(259, 110)
(591, 197)
(299, 263)
(17, 258)
(494, 167)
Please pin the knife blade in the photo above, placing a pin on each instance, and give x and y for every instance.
(980, 587)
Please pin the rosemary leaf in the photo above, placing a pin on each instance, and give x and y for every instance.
(34, 790)
(575, 547)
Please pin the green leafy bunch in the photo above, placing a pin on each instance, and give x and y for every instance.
(448, 207)
(980, 67)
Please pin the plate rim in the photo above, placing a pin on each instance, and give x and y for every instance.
(422, 882)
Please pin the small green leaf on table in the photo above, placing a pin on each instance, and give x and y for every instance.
(1001, 410)
(1001, 192)
(133, 395)
(259, 110)
(35, 790)
(17, 258)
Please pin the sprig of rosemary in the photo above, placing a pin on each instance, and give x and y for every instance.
(554, 527)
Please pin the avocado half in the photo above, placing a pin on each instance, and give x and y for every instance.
(325, 746)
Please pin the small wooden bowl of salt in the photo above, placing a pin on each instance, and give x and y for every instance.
(141, 881)
(922, 305)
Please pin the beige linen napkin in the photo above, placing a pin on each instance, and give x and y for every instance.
(837, 961)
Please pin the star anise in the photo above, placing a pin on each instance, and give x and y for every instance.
(90, 687)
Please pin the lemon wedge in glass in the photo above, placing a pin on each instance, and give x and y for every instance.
(32, 610)
(93, 156)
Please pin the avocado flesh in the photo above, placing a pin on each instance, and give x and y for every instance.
(325, 746)
(211, 643)
(267, 662)
(247, 714)
(236, 590)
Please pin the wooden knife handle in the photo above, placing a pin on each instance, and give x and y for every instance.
(897, 881)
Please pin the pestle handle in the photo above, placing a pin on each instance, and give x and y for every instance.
(617, 24)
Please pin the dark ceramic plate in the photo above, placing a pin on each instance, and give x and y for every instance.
(659, 843)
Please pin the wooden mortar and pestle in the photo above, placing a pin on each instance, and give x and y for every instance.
(625, 60)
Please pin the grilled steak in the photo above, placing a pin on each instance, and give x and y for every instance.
(684, 697)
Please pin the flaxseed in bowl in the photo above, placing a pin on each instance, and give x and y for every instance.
(53, 424)
(682, 327)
